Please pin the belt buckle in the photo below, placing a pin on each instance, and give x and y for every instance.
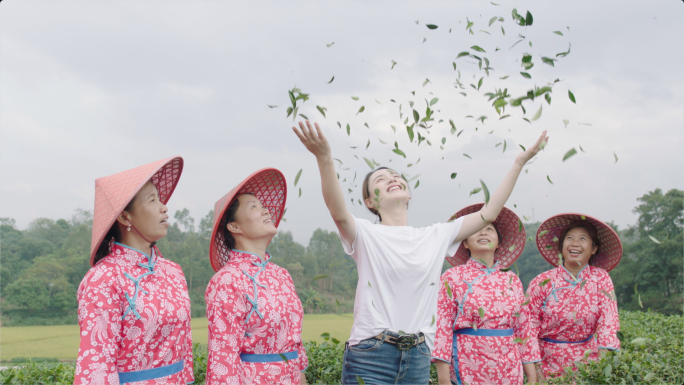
(406, 342)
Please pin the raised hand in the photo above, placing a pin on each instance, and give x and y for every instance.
(313, 139)
(532, 150)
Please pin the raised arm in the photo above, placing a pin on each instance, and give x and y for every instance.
(474, 222)
(317, 144)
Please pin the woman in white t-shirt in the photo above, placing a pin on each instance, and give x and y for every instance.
(399, 267)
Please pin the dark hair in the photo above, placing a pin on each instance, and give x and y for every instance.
(366, 193)
(592, 234)
(498, 235)
(114, 232)
(229, 216)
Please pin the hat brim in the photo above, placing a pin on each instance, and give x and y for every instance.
(113, 193)
(512, 231)
(269, 186)
(610, 248)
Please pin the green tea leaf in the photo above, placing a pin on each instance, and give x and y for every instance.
(558, 33)
(654, 239)
(520, 226)
(485, 190)
(453, 126)
(348, 129)
(297, 177)
(570, 153)
(304, 116)
(564, 54)
(566, 122)
(544, 282)
(492, 20)
(448, 289)
(431, 26)
(443, 140)
(369, 163)
(548, 61)
(360, 380)
(331, 80)
(393, 64)
(504, 147)
(615, 155)
(538, 114)
(270, 106)
(526, 75)
(368, 144)
(409, 129)
(434, 101)
(549, 179)
(426, 82)
(300, 193)
(355, 97)
(399, 152)
(453, 175)
(477, 48)
(475, 191)
(467, 156)
(528, 18)
(571, 96)
(416, 116)
(523, 147)
(330, 45)
(417, 184)
(321, 110)
(320, 276)
(481, 312)
(363, 108)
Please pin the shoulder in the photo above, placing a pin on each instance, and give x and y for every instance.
(229, 275)
(453, 273)
(536, 282)
(599, 275)
(105, 273)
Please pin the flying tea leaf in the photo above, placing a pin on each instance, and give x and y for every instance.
(321, 110)
(399, 152)
(297, 177)
(558, 33)
(481, 312)
(434, 101)
(348, 129)
(320, 276)
(300, 193)
(270, 106)
(615, 155)
(369, 163)
(417, 184)
(477, 48)
(330, 45)
(526, 75)
(331, 80)
(572, 97)
(431, 26)
(453, 175)
(393, 64)
(654, 239)
(549, 179)
(570, 153)
(363, 108)
(475, 191)
(467, 156)
(485, 190)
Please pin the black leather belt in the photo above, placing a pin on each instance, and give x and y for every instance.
(403, 341)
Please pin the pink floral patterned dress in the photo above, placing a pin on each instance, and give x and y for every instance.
(134, 315)
(569, 319)
(478, 331)
(255, 324)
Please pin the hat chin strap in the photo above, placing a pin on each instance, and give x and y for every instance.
(139, 233)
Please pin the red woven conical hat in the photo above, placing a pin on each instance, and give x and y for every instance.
(610, 249)
(114, 192)
(511, 229)
(269, 187)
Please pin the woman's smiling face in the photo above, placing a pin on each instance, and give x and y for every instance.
(387, 186)
(578, 246)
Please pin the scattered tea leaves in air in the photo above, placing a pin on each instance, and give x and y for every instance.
(443, 140)
(564, 54)
(426, 82)
(448, 288)
(549, 179)
(459, 134)
(518, 340)
(321, 110)
(363, 108)
(433, 101)
(475, 191)
(297, 177)
(538, 114)
(348, 130)
(571, 96)
(528, 18)
(523, 147)
(548, 61)
(369, 163)
(477, 48)
(453, 175)
(485, 190)
(376, 100)
(416, 116)
(544, 282)
(330, 45)
(464, 53)
(300, 193)
(320, 276)
(492, 20)
(355, 97)
(640, 304)
(467, 156)
(424, 39)
(504, 147)
(417, 184)
(453, 126)
(654, 239)
(304, 116)
(615, 155)
(581, 149)
(368, 144)
(331, 80)
(360, 380)
(481, 311)
(431, 26)
(558, 33)
(409, 129)
(570, 153)
(270, 106)
(526, 75)
(433, 319)
(393, 128)
(520, 226)
(566, 122)
(393, 64)
(548, 98)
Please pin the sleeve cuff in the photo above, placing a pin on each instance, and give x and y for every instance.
(440, 359)
(531, 362)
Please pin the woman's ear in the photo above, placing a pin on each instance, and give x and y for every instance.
(123, 219)
(233, 228)
(465, 243)
(594, 249)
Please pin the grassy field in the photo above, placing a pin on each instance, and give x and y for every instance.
(62, 341)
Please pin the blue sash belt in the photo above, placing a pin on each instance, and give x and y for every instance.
(479, 333)
(567, 342)
(246, 357)
(151, 374)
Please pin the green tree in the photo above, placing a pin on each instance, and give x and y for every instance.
(28, 294)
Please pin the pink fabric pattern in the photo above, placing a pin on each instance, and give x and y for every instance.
(134, 314)
(252, 308)
(567, 309)
(481, 360)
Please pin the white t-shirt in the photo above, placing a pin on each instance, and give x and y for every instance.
(399, 277)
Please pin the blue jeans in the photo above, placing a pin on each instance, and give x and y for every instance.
(378, 362)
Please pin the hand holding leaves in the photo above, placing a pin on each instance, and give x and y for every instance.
(532, 150)
(313, 139)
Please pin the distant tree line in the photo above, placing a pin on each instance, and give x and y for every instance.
(42, 266)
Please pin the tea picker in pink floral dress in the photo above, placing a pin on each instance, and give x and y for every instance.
(572, 311)
(255, 316)
(133, 304)
(479, 336)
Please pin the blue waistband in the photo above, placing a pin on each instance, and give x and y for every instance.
(245, 357)
(567, 342)
(151, 374)
(485, 332)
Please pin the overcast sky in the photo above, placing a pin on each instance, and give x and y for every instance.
(89, 89)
